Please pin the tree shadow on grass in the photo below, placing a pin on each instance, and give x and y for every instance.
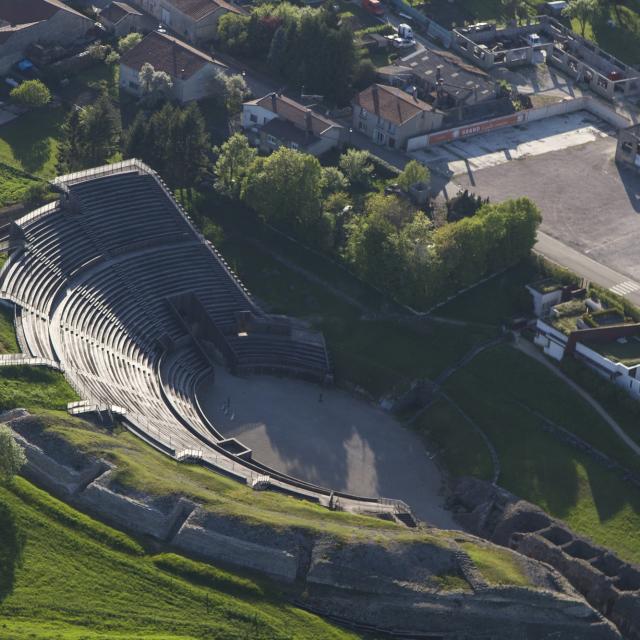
(12, 541)
(611, 492)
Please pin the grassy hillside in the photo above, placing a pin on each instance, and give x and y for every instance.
(536, 466)
(64, 575)
(34, 388)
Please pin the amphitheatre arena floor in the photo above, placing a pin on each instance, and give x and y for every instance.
(339, 441)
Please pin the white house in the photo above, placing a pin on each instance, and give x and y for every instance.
(275, 120)
(191, 70)
(602, 340)
(546, 294)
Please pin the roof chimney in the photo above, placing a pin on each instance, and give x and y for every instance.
(376, 99)
(439, 73)
(274, 103)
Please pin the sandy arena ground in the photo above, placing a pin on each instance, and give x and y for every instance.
(336, 440)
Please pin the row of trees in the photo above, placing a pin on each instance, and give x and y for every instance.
(174, 141)
(386, 240)
(421, 264)
(309, 47)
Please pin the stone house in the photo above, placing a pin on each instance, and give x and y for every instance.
(28, 22)
(120, 18)
(274, 121)
(195, 21)
(192, 71)
(390, 116)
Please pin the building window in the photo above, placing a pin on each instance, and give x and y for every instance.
(627, 147)
(363, 113)
(253, 117)
(295, 146)
(271, 140)
(392, 128)
(362, 126)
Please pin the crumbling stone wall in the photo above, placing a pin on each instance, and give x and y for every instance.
(608, 583)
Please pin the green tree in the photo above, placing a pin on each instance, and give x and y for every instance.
(100, 131)
(333, 181)
(583, 11)
(413, 173)
(285, 189)
(188, 148)
(236, 92)
(515, 9)
(235, 156)
(356, 166)
(70, 154)
(31, 93)
(129, 41)
(372, 249)
(392, 208)
(12, 457)
(232, 33)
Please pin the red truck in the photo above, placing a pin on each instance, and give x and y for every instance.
(373, 6)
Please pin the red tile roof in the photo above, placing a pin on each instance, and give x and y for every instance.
(199, 9)
(294, 112)
(390, 103)
(168, 54)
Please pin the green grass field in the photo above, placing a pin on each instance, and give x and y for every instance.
(30, 142)
(34, 388)
(459, 446)
(64, 575)
(535, 464)
(499, 567)
(8, 342)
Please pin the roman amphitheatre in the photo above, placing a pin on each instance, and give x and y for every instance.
(143, 315)
(114, 286)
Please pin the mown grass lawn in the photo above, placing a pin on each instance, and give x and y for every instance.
(31, 141)
(536, 465)
(64, 575)
(495, 300)
(8, 342)
(458, 445)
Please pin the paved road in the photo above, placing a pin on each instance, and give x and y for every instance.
(584, 266)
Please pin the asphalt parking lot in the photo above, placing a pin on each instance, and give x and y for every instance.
(587, 201)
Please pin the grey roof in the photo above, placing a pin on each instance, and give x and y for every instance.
(459, 76)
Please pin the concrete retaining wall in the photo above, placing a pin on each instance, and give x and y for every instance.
(583, 103)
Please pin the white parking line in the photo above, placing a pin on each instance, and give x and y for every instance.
(624, 288)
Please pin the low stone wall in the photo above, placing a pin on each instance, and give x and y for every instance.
(156, 518)
(221, 539)
(608, 583)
